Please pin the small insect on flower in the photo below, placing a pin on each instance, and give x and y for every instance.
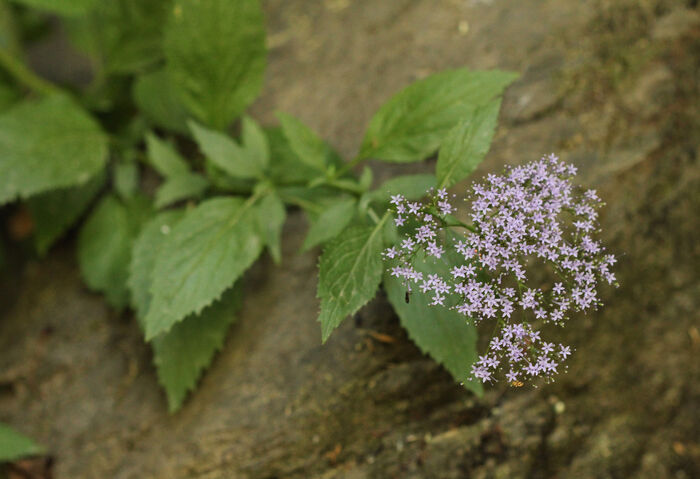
(407, 298)
(517, 384)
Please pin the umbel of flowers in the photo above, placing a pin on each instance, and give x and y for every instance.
(531, 218)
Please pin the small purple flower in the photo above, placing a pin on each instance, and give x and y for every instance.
(533, 214)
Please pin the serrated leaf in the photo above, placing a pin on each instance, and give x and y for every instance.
(444, 334)
(46, 145)
(334, 218)
(255, 142)
(412, 124)
(182, 354)
(104, 246)
(466, 144)
(143, 257)
(62, 7)
(207, 251)
(225, 153)
(216, 54)
(56, 211)
(412, 187)
(270, 216)
(180, 187)
(157, 99)
(14, 445)
(350, 271)
(307, 145)
(163, 157)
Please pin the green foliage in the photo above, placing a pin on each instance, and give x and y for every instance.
(413, 187)
(309, 148)
(180, 187)
(163, 157)
(412, 124)
(285, 167)
(216, 54)
(181, 354)
(56, 211)
(236, 160)
(270, 218)
(334, 218)
(350, 271)
(155, 96)
(180, 182)
(442, 333)
(14, 445)
(206, 252)
(63, 7)
(46, 145)
(104, 246)
(125, 36)
(172, 76)
(467, 143)
(184, 352)
(143, 258)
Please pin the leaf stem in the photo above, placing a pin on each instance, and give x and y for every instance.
(25, 76)
(374, 216)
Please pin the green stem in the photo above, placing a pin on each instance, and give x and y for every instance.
(374, 216)
(25, 76)
(348, 166)
(452, 221)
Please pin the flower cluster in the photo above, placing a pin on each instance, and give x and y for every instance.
(530, 216)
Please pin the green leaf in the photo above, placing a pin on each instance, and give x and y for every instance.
(444, 334)
(126, 35)
(126, 179)
(14, 445)
(413, 123)
(308, 147)
(255, 142)
(366, 178)
(203, 256)
(350, 271)
(180, 187)
(330, 222)
(56, 211)
(285, 166)
(413, 187)
(270, 216)
(8, 96)
(184, 352)
(143, 257)
(9, 40)
(104, 246)
(46, 145)
(181, 354)
(163, 157)
(156, 98)
(225, 153)
(62, 7)
(466, 144)
(215, 52)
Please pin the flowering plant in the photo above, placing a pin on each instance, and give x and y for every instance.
(530, 218)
